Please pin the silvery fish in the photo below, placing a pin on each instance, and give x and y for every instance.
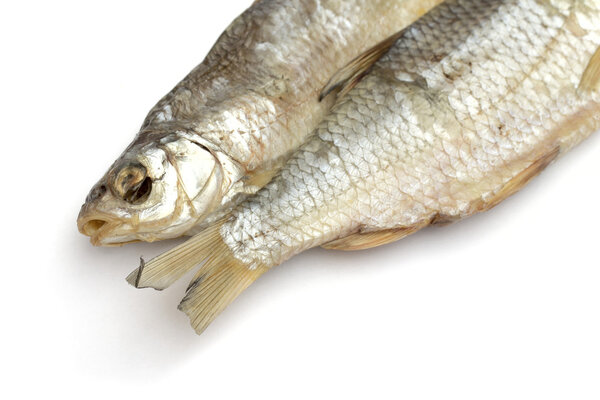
(224, 130)
(471, 102)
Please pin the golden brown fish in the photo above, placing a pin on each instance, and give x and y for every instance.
(471, 102)
(222, 132)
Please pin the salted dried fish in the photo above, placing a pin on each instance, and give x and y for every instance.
(471, 102)
(225, 129)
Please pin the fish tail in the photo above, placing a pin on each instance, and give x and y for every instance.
(217, 283)
(162, 271)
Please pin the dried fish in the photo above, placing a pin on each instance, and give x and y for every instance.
(471, 102)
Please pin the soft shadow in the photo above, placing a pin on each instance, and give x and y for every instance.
(118, 330)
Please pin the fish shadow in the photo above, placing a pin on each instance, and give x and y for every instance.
(118, 330)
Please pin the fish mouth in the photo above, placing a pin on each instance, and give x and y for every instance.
(98, 227)
(92, 227)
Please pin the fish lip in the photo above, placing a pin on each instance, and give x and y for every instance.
(111, 223)
(96, 238)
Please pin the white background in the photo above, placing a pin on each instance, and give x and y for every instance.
(503, 305)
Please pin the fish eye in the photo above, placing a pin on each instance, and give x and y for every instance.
(140, 194)
(132, 184)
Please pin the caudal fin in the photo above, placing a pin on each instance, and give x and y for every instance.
(162, 271)
(217, 283)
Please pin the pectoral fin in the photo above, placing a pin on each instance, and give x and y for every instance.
(590, 80)
(261, 177)
(347, 77)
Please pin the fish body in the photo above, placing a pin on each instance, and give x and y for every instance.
(471, 102)
(224, 130)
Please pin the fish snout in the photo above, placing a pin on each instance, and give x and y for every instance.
(96, 193)
(91, 224)
(90, 221)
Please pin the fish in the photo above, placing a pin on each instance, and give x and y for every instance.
(469, 104)
(223, 131)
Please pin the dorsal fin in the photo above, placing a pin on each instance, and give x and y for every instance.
(347, 77)
(590, 80)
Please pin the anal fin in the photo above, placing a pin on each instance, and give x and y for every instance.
(519, 181)
(367, 240)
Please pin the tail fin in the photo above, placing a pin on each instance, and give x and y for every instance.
(217, 283)
(162, 271)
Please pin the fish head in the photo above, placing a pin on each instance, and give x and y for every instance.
(154, 191)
